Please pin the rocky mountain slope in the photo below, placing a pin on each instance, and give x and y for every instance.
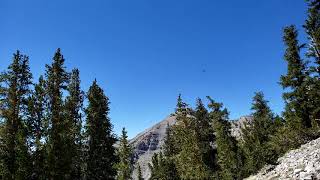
(302, 163)
(150, 141)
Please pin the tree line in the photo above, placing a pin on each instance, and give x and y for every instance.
(46, 131)
(200, 145)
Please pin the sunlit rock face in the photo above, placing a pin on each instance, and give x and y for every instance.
(150, 141)
(236, 125)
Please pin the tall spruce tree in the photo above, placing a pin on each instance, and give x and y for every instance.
(162, 168)
(60, 156)
(189, 160)
(227, 150)
(101, 153)
(14, 90)
(312, 28)
(124, 166)
(169, 152)
(37, 126)
(74, 107)
(297, 109)
(204, 133)
(256, 135)
(169, 149)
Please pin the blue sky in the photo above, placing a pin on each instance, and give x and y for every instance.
(144, 53)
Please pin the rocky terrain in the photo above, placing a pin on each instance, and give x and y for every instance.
(299, 164)
(150, 141)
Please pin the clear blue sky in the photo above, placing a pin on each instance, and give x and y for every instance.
(145, 52)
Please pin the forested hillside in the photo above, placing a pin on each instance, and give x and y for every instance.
(48, 132)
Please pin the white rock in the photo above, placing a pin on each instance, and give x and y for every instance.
(296, 171)
(302, 163)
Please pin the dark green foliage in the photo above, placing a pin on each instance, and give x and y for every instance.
(227, 150)
(169, 147)
(296, 99)
(188, 159)
(290, 136)
(74, 106)
(163, 168)
(256, 135)
(101, 153)
(204, 134)
(14, 90)
(301, 99)
(124, 166)
(37, 126)
(312, 28)
(60, 142)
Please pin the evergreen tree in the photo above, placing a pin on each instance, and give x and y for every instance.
(139, 173)
(256, 135)
(189, 160)
(124, 166)
(101, 153)
(74, 105)
(169, 152)
(227, 150)
(37, 127)
(155, 167)
(169, 148)
(60, 143)
(162, 168)
(204, 133)
(297, 109)
(14, 90)
(312, 28)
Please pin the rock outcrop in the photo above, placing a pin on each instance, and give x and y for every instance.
(299, 164)
(148, 142)
(236, 125)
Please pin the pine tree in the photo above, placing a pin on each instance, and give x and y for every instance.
(256, 135)
(169, 148)
(162, 168)
(74, 106)
(312, 28)
(101, 153)
(227, 150)
(189, 160)
(124, 166)
(139, 173)
(204, 133)
(14, 90)
(37, 126)
(297, 109)
(169, 152)
(60, 156)
(156, 167)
